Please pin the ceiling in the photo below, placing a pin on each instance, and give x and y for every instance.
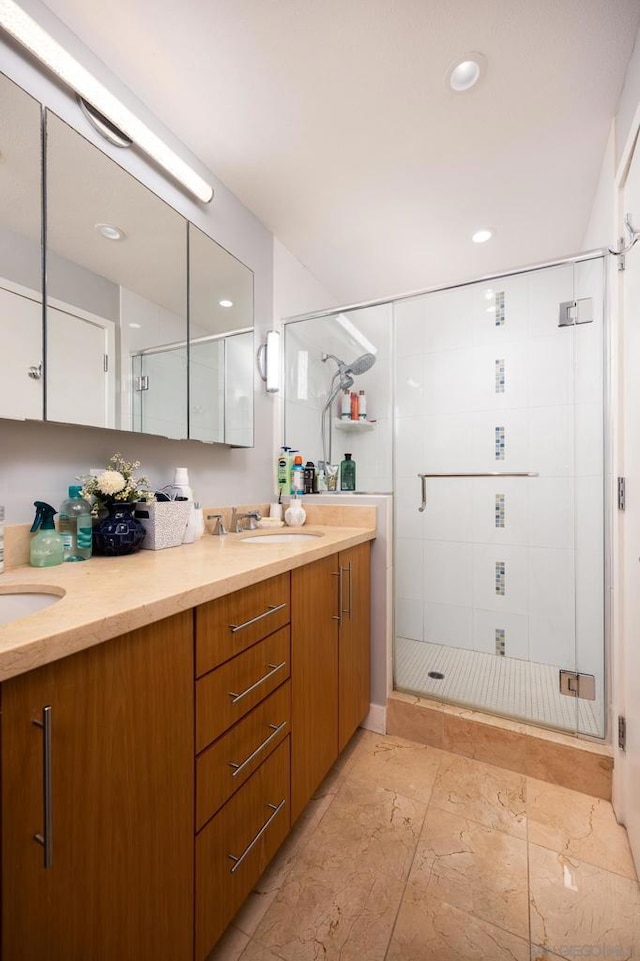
(331, 120)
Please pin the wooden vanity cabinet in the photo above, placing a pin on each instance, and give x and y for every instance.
(331, 663)
(120, 881)
(179, 756)
(243, 765)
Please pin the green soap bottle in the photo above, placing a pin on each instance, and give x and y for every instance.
(47, 546)
(347, 474)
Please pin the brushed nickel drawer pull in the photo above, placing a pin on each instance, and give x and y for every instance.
(274, 668)
(271, 610)
(275, 730)
(46, 838)
(338, 617)
(276, 808)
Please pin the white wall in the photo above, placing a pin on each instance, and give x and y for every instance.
(604, 228)
(40, 460)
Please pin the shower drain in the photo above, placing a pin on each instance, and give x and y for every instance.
(436, 675)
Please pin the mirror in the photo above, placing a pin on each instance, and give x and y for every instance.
(221, 356)
(21, 395)
(119, 311)
(116, 317)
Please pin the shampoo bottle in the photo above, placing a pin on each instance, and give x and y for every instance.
(283, 471)
(297, 476)
(347, 474)
(47, 547)
(75, 525)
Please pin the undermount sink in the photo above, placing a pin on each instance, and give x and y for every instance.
(283, 538)
(15, 605)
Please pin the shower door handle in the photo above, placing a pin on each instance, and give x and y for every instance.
(491, 473)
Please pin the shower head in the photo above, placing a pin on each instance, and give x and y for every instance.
(359, 366)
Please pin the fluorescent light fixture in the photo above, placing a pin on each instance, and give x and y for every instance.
(481, 236)
(31, 35)
(269, 361)
(357, 334)
(226, 303)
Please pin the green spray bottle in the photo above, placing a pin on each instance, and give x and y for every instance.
(47, 546)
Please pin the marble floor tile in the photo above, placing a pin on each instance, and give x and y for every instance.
(481, 792)
(476, 869)
(230, 946)
(579, 910)
(579, 826)
(428, 929)
(398, 765)
(333, 915)
(257, 952)
(368, 827)
(301, 833)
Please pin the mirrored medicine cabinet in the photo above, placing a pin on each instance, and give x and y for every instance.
(147, 323)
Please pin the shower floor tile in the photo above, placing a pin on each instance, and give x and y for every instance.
(502, 685)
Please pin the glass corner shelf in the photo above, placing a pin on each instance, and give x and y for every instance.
(353, 425)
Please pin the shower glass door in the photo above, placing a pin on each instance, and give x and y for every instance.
(500, 579)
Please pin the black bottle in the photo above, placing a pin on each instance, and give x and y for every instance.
(310, 483)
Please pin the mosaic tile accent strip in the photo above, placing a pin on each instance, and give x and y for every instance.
(500, 376)
(500, 315)
(500, 641)
(505, 685)
(500, 443)
(500, 578)
(500, 513)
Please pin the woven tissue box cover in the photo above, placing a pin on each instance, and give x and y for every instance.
(164, 522)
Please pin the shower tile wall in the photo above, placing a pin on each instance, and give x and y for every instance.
(486, 381)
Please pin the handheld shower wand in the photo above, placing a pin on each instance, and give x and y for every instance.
(345, 373)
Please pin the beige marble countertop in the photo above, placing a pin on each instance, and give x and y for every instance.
(105, 597)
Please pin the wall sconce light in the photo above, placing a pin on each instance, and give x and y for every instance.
(269, 361)
(45, 48)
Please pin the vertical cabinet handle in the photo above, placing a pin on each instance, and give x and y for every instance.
(46, 838)
(350, 611)
(338, 617)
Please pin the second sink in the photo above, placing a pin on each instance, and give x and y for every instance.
(282, 538)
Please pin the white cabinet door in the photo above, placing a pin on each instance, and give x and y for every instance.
(21, 340)
(77, 383)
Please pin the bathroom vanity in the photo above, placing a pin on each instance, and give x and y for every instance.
(150, 775)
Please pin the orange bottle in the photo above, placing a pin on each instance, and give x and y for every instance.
(355, 406)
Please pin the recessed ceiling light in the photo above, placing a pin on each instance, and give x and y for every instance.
(464, 73)
(109, 232)
(226, 303)
(136, 326)
(481, 236)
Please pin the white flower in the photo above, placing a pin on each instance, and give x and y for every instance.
(111, 482)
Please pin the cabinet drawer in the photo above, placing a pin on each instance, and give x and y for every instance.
(230, 624)
(235, 847)
(227, 764)
(225, 695)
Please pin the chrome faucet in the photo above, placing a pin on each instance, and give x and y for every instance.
(251, 517)
(219, 529)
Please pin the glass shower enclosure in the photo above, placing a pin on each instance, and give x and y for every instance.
(500, 573)
(488, 409)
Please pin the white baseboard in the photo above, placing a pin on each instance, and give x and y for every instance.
(376, 719)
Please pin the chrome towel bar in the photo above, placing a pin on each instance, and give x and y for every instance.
(491, 473)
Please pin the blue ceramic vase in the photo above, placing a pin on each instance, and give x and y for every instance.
(119, 532)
